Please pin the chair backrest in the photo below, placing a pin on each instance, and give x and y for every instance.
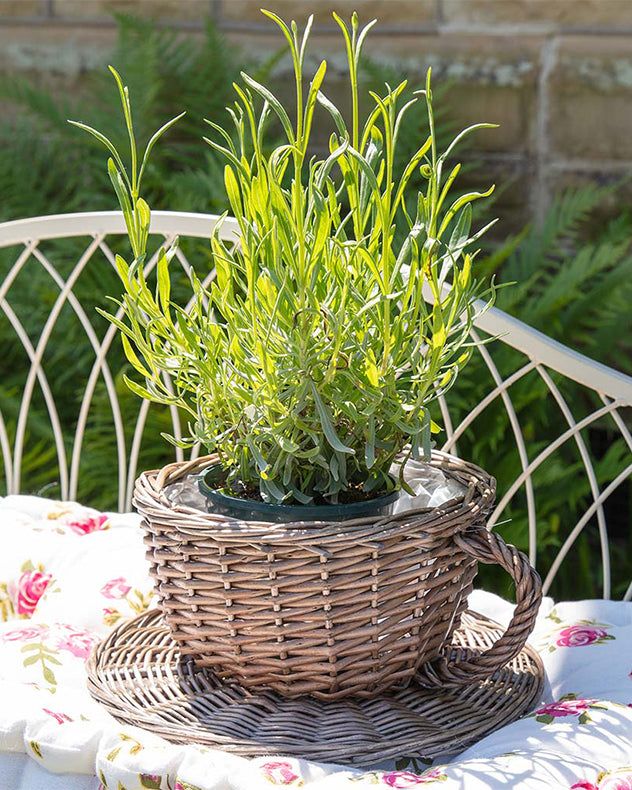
(45, 262)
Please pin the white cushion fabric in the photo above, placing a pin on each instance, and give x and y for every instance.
(68, 574)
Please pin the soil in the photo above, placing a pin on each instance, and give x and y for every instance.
(353, 494)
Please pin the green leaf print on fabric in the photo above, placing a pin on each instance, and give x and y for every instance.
(39, 653)
(150, 781)
(7, 607)
(416, 764)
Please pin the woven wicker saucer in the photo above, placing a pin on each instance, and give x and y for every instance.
(138, 675)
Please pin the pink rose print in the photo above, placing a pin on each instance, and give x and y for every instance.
(279, 773)
(617, 780)
(77, 642)
(60, 718)
(584, 786)
(565, 707)
(569, 705)
(87, 524)
(24, 634)
(115, 588)
(29, 589)
(580, 635)
(404, 779)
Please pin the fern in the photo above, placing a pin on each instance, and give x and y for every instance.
(59, 170)
(578, 293)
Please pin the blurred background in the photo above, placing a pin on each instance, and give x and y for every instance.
(556, 75)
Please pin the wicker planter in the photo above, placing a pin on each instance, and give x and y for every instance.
(348, 608)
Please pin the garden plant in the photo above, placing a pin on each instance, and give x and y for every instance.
(311, 360)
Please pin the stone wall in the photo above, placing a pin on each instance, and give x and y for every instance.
(555, 74)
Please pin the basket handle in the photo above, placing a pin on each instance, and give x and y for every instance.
(489, 548)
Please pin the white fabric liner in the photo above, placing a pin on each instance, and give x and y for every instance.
(430, 485)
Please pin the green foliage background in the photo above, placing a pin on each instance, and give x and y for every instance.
(573, 286)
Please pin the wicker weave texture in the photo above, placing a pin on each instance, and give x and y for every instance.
(348, 608)
(137, 673)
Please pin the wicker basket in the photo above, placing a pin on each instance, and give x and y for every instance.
(333, 610)
(138, 674)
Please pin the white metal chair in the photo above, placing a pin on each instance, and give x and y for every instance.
(27, 242)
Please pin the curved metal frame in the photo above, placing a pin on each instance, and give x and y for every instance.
(542, 355)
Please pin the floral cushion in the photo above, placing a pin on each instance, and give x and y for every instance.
(69, 573)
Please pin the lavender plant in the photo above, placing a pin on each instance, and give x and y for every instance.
(309, 362)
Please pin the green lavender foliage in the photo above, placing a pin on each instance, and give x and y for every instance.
(46, 168)
(311, 359)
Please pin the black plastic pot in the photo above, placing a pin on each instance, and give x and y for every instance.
(253, 510)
